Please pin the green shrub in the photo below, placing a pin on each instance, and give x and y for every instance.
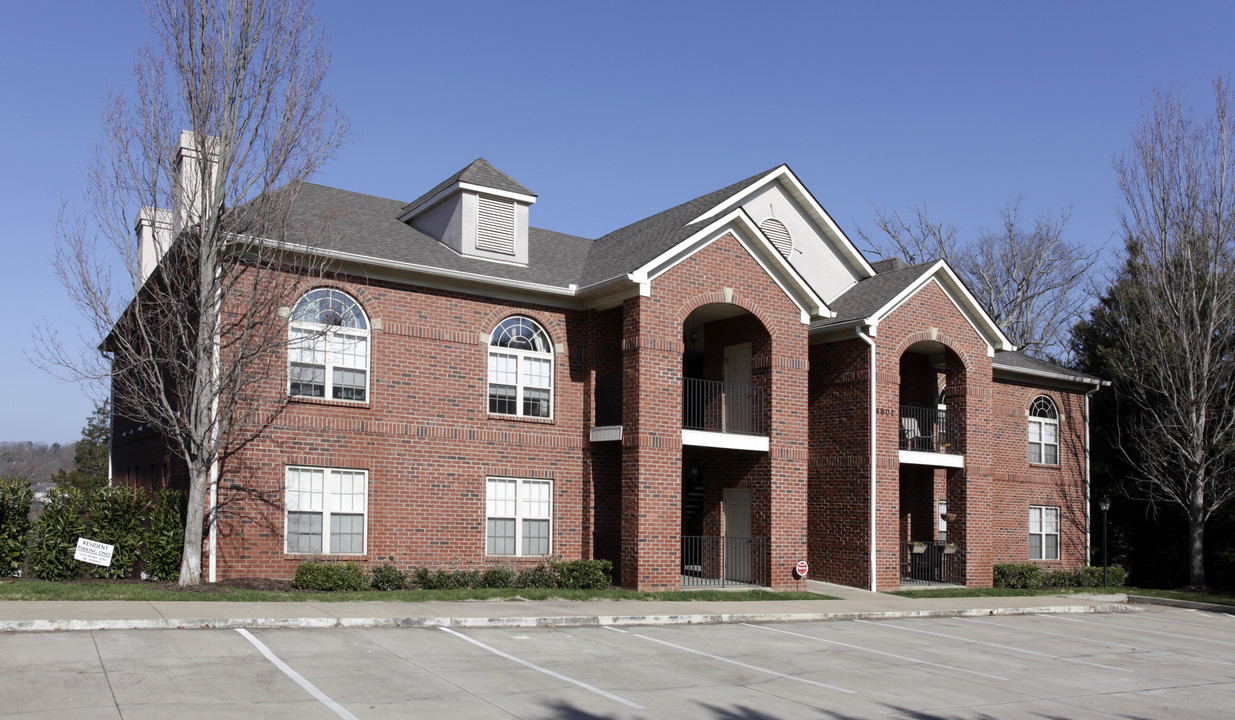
(55, 536)
(164, 535)
(331, 576)
(497, 578)
(541, 576)
(388, 577)
(15, 499)
(1059, 578)
(115, 515)
(1018, 575)
(583, 574)
(427, 579)
(1092, 576)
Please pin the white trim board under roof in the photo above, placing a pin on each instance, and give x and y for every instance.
(738, 223)
(798, 192)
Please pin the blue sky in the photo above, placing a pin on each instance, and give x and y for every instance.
(613, 111)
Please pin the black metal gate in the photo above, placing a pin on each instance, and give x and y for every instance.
(715, 561)
(930, 563)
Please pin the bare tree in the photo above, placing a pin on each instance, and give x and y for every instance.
(1172, 312)
(916, 239)
(1028, 279)
(193, 331)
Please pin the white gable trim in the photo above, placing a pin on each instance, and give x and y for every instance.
(743, 227)
(457, 187)
(849, 252)
(959, 295)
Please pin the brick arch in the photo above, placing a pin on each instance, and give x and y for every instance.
(552, 325)
(940, 337)
(709, 298)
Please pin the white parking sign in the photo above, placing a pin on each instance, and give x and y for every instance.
(94, 552)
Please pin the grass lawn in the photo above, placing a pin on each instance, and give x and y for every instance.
(124, 590)
(1009, 592)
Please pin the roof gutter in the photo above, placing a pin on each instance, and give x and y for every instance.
(1048, 374)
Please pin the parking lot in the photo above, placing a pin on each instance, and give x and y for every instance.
(1163, 663)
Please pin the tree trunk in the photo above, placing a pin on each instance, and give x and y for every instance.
(191, 555)
(1196, 539)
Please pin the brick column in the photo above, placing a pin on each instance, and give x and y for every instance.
(788, 430)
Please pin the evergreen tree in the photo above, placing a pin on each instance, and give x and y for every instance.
(90, 454)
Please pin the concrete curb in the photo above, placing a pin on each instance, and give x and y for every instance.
(1189, 604)
(529, 622)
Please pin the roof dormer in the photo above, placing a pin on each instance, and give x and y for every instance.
(478, 212)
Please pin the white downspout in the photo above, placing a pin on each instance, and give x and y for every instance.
(874, 470)
(1088, 485)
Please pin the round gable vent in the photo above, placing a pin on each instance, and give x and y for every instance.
(778, 234)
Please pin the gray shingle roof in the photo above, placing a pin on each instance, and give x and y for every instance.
(480, 172)
(340, 220)
(868, 296)
(631, 247)
(1013, 360)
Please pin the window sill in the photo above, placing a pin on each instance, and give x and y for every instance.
(1046, 466)
(330, 402)
(311, 556)
(524, 419)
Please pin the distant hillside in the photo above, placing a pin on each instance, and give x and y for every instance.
(35, 460)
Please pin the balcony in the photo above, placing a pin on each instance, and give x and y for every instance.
(928, 438)
(724, 415)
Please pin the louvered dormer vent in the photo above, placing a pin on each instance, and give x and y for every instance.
(495, 225)
(778, 234)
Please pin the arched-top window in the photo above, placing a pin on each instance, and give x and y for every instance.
(520, 369)
(328, 347)
(1043, 431)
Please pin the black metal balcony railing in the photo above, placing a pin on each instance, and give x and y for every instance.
(723, 407)
(928, 430)
(930, 562)
(714, 561)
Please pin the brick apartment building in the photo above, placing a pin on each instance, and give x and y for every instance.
(709, 395)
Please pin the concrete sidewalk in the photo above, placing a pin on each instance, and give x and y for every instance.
(25, 616)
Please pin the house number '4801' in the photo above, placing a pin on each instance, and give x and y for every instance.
(884, 411)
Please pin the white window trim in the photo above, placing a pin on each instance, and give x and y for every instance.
(326, 512)
(1042, 423)
(519, 517)
(521, 356)
(327, 334)
(1044, 509)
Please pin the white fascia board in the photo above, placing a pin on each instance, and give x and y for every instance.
(539, 288)
(804, 197)
(459, 186)
(729, 441)
(1056, 376)
(960, 296)
(743, 227)
(932, 459)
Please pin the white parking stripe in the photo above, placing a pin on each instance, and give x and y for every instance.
(322, 697)
(732, 662)
(1140, 630)
(997, 645)
(877, 652)
(546, 671)
(1095, 642)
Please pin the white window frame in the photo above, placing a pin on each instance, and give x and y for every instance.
(328, 340)
(523, 361)
(526, 507)
(1043, 523)
(1043, 424)
(325, 503)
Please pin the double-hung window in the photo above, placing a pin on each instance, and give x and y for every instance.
(520, 369)
(1043, 532)
(1043, 431)
(519, 516)
(328, 347)
(326, 510)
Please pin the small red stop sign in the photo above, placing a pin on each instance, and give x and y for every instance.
(802, 568)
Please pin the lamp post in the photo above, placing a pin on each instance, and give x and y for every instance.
(1104, 504)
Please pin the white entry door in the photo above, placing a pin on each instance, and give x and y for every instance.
(738, 411)
(737, 535)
